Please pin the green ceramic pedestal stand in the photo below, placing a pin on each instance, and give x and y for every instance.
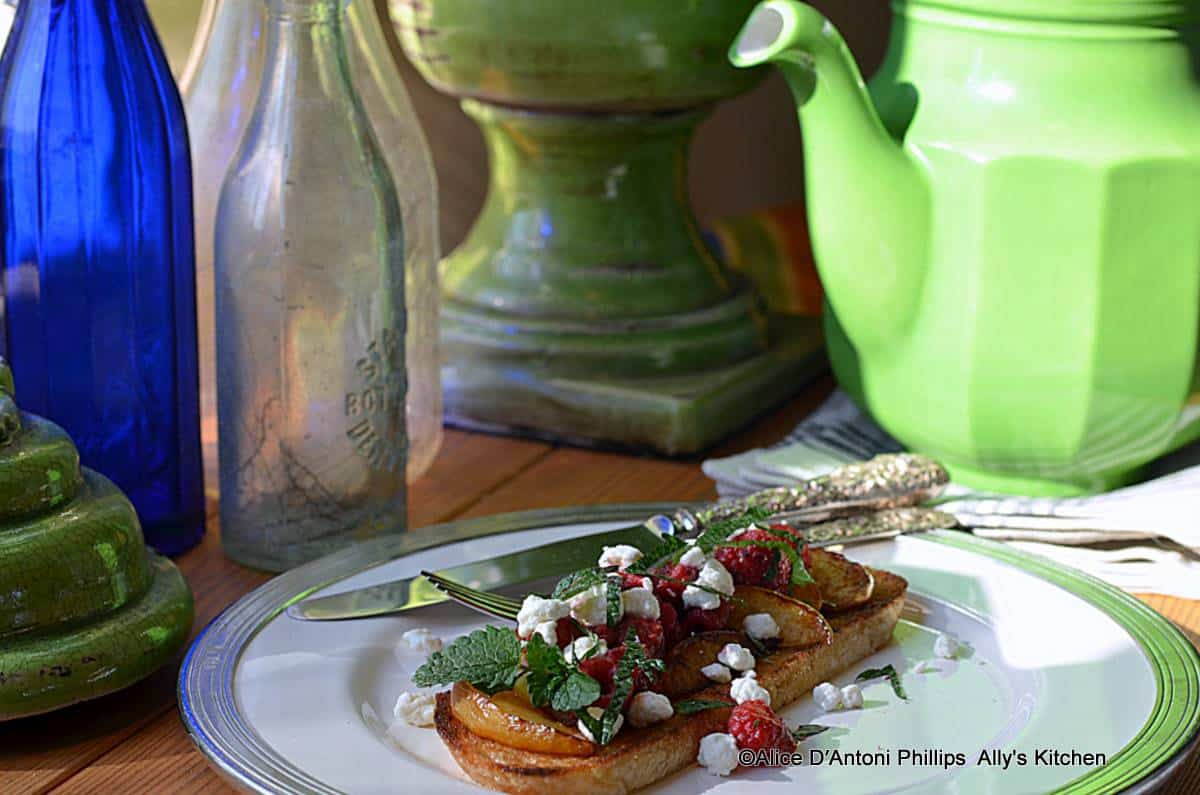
(584, 304)
(85, 609)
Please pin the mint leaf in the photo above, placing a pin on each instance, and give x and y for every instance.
(888, 671)
(666, 551)
(773, 565)
(547, 670)
(489, 658)
(613, 594)
(757, 647)
(552, 680)
(718, 532)
(634, 659)
(577, 582)
(800, 575)
(690, 706)
(577, 691)
(806, 730)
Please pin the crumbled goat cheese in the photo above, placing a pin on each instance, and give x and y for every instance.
(828, 696)
(580, 648)
(648, 583)
(598, 713)
(852, 697)
(694, 557)
(718, 754)
(700, 598)
(648, 708)
(640, 602)
(946, 646)
(622, 556)
(421, 641)
(716, 672)
(747, 688)
(925, 667)
(714, 580)
(549, 632)
(415, 708)
(591, 606)
(536, 610)
(761, 626)
(736, 656)
(715, 576)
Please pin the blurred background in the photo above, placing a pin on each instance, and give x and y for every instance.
(750, 148)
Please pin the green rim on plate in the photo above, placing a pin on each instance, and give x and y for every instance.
(211, 713)
(1175, 719)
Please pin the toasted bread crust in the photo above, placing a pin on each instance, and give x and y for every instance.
(639, 757)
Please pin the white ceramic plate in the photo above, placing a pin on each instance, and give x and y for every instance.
(1056, 660)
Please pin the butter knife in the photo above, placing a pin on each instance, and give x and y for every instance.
(858, 502)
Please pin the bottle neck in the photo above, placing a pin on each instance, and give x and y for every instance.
(307, 11)
(306, 58)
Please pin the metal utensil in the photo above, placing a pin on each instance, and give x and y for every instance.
(886, 481)
(859, 529)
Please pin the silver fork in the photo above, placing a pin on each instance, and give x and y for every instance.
(490, 604)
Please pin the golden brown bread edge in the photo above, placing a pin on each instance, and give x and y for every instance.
(640, 757)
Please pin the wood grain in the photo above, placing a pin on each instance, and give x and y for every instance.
(134, 742)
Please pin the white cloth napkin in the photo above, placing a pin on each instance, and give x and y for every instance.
(1144, 537)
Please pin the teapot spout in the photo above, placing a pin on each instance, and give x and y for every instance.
(867, 197)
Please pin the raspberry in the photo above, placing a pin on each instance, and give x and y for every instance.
(666, 589)
(668, 617)
(756, 565)
(797, 536)
(755, 726)
(629, 580)
(606, 699)
(697, 620)
(648, 631)
(567, 631)
(602, 667)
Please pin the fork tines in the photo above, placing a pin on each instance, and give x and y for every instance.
(490, 604)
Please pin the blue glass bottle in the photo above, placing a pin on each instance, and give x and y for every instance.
(97, 257)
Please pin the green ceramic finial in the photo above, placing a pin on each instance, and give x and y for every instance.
(10, 417)
(6, 379)
(84, 610)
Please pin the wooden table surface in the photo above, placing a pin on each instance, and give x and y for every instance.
(134, 742)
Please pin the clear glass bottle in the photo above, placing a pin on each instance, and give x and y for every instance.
(96, 251)
(8, 9)
(220, 83)
(310, 309)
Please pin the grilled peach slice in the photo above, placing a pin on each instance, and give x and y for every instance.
(509, 719)
(683, 663)
(800, 624)
(809, 593)
(843, 583)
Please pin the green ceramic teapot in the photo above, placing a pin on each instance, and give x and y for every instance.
(1007, 225)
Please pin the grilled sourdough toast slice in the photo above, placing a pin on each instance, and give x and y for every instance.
(640, 757)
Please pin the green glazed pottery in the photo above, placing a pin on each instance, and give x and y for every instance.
(85, 609)
(584, 303)
(1007, 227)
